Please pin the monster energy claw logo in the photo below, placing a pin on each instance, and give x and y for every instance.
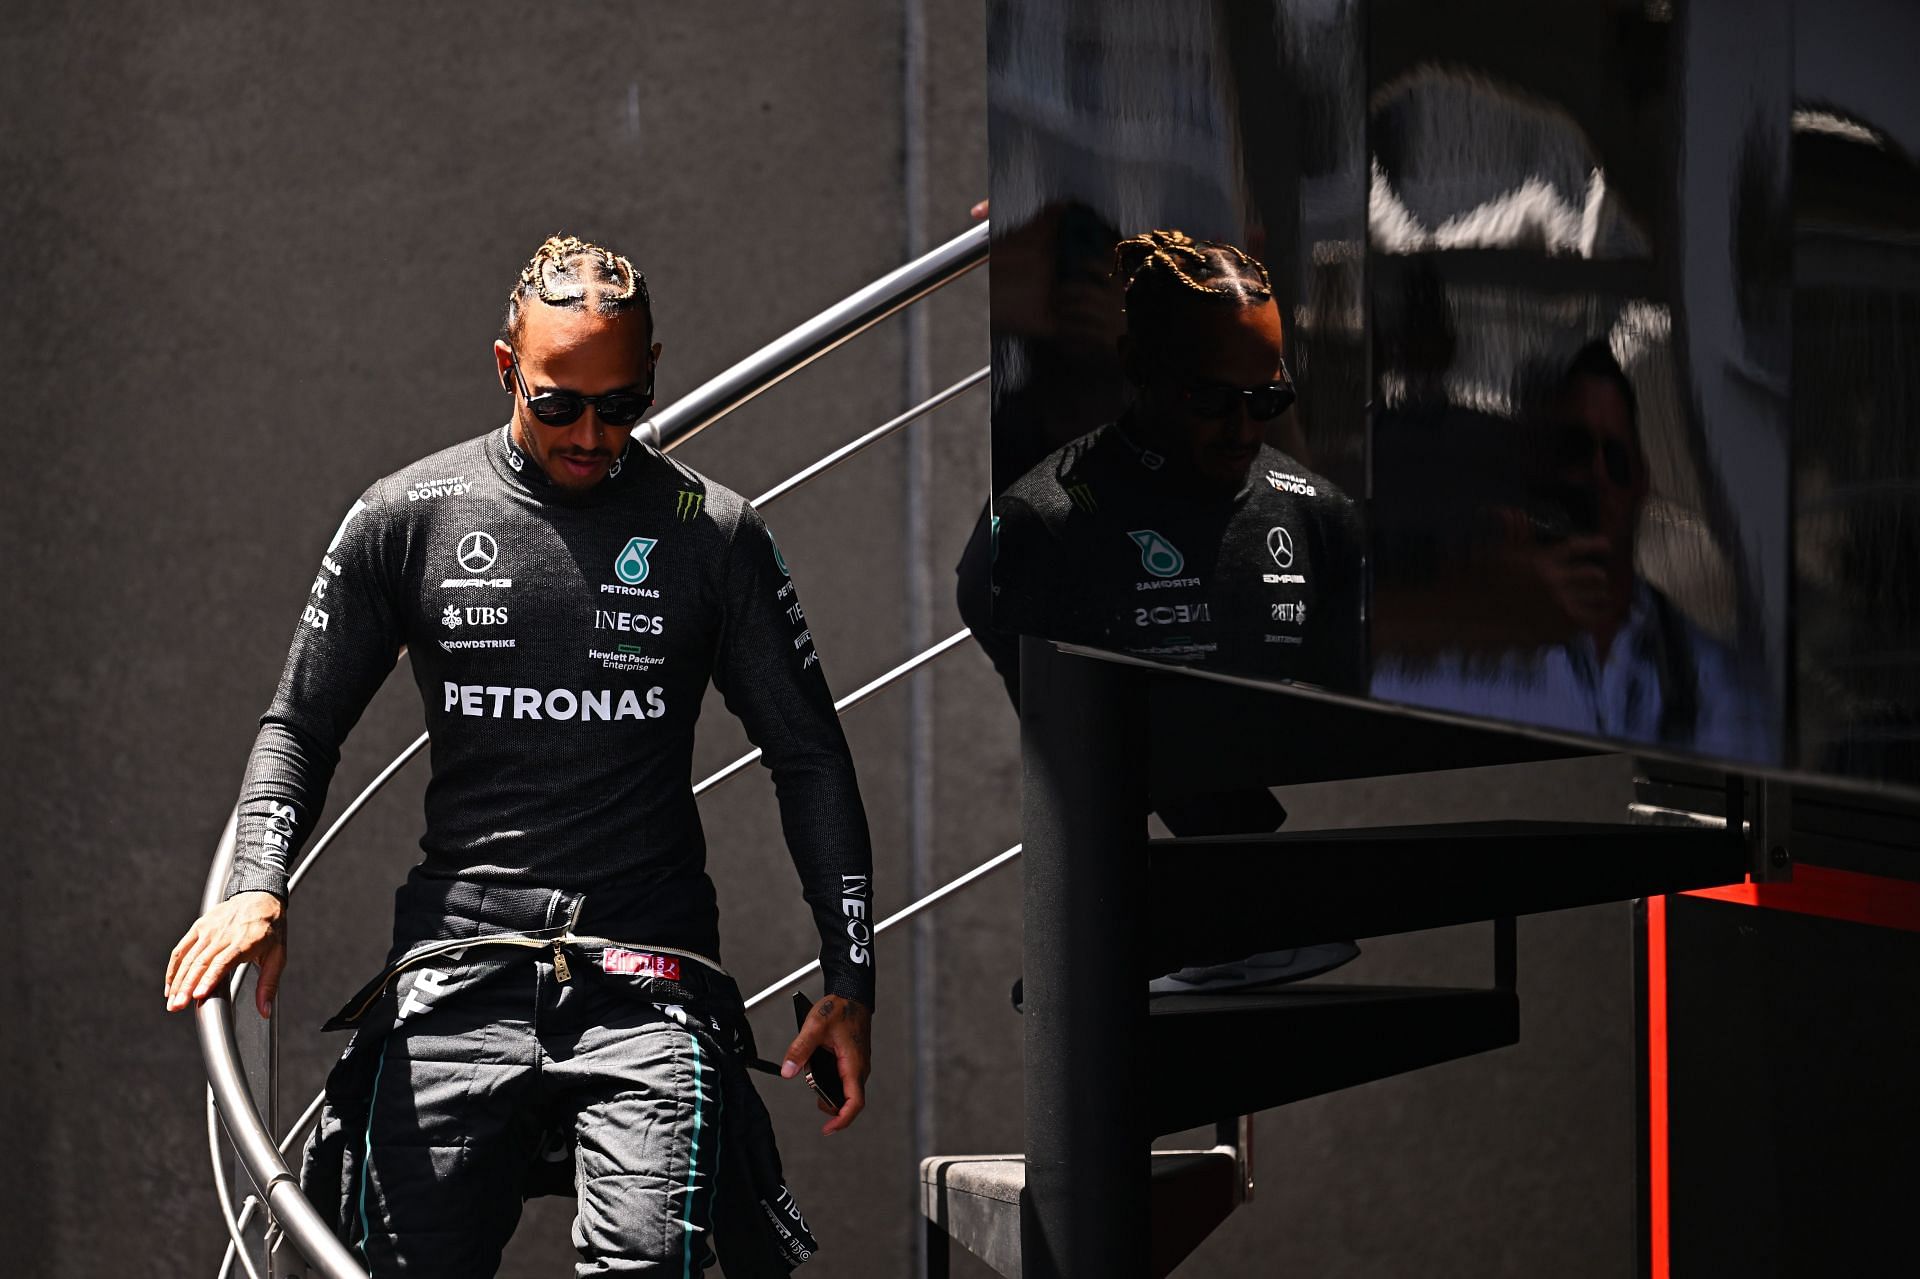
(688, 504)
(630, 566)
(778, 558)
(1157, 555)
(1082, 495)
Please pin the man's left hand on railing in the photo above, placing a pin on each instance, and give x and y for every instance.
(247, 928)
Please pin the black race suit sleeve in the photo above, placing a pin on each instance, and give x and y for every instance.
(347, 641)
(768, 673)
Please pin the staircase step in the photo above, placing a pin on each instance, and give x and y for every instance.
(1206, 728)
(1221, 897)
(1236, 1054)
(974, 1200)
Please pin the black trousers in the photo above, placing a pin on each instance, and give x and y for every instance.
(482, 1060)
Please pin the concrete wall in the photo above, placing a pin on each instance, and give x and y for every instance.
(255, 256)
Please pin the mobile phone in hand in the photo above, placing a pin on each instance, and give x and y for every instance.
(823, 1068)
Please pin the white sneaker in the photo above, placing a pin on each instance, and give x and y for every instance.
(1268, 969)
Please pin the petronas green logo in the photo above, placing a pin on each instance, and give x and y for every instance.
(778, 558)
(688, 504)
(1157, 555)
(630, 566)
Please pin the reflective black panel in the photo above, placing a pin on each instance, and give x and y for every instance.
(1856, 387)
(1577, 226)
(1131, 511)
(1598, 319)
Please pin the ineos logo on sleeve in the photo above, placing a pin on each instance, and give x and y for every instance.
(477, 552)
(1280, 546)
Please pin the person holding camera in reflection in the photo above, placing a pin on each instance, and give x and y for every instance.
(1544, 617)
(553, 1016)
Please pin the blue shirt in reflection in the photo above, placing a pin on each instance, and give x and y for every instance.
(1664, 682)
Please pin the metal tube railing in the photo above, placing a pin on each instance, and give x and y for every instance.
(799, 347)
(236, 1225)
(245, 1128)
(905, 913)
(250, 1136)
(348, 813)
(852, 699)
(874, 436)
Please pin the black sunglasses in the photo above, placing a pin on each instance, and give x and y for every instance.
(1217, 399)
(563, 408)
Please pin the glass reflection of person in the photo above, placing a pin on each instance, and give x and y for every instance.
(1623, 660)
(1177, 532)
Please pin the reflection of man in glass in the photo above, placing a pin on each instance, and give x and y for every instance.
(1177, 532)
(1625, 663)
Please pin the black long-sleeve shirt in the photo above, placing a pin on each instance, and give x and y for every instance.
(562, 643)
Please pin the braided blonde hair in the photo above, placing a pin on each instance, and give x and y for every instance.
(1160, 269)
(570, 272)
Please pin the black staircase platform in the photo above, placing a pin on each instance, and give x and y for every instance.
(1218, 898)
(1235, 1054)
(974, 1200)
(1215, 734)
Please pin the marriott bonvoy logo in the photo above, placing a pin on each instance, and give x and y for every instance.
(452, 486)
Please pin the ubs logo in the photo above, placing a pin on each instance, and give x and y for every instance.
(1280, 546)
(477, 552)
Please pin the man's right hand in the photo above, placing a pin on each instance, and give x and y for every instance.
(247, 928)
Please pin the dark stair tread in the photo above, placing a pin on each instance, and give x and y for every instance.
(1302, 997)
(1258, 1050)
(1217, 898)
(1429, 832)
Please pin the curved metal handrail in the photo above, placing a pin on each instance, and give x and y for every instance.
(801, 346)
(705, 405)
(245, 1129)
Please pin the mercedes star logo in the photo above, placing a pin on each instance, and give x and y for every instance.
(1280, 546)
(478, 552)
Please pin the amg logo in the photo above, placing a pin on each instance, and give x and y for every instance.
(638, 623)
(559, 703)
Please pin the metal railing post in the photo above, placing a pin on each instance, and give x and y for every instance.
(801, 346)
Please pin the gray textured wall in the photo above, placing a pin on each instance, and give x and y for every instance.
(254, 256)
